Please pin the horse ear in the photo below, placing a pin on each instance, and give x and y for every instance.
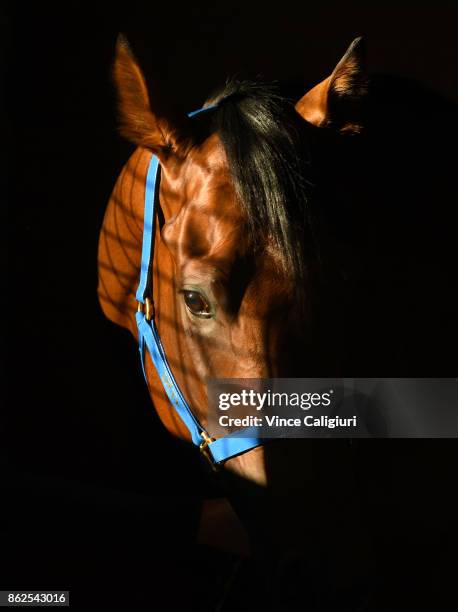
(146, 124)
(337, 101)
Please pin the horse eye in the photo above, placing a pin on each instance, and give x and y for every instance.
(197, 304)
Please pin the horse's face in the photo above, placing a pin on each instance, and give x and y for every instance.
(227, 305)
(233, 298)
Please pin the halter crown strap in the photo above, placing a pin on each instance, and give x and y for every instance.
(217, 451)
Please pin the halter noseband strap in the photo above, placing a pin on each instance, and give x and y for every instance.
(216, 451)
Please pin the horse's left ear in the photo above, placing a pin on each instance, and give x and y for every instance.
(336, 102)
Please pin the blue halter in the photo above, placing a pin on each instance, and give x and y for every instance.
(216, 451)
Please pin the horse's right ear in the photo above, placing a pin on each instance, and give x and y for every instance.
(337, 101)
(146, 123)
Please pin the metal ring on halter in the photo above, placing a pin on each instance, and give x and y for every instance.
(147, 308)
(205, 450)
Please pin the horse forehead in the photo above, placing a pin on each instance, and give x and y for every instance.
(210, 223)
(207, 217)
(206, 175)
(202, 178)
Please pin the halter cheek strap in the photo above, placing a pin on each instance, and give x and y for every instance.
(216, 451)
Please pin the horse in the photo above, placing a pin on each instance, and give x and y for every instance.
(286, 244)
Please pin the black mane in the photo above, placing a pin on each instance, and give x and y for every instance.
(261, 133)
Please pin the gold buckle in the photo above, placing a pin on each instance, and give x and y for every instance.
(204, 449)
(147, 308)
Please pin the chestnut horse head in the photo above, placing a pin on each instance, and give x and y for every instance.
(235, 247)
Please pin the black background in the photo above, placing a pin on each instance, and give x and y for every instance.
(98, 494)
